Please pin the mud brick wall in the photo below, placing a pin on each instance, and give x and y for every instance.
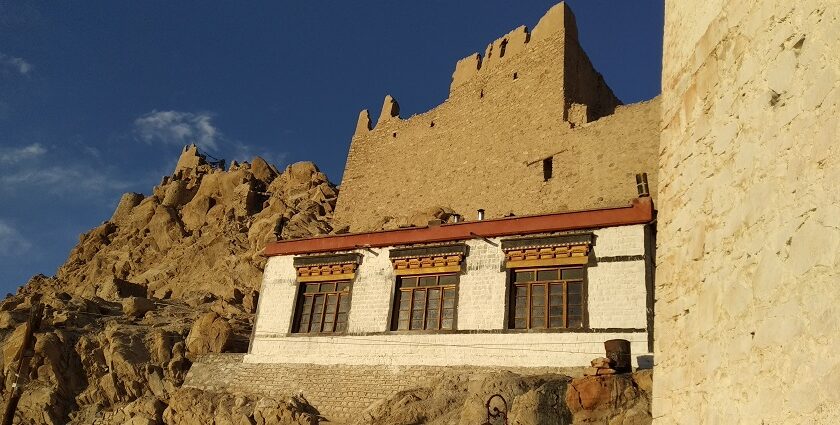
(484, 146)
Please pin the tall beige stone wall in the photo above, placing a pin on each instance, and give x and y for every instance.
(484, 146)
(748, 306)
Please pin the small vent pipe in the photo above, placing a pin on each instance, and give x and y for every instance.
(481, 214)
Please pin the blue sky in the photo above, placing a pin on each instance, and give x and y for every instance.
(97, 97)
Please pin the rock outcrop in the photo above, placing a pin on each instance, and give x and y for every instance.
(200, 233)
(544, 399)
(169, 276)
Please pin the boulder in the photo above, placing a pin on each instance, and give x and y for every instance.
(209, 334)
(137, 306)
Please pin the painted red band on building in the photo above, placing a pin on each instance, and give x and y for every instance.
(640, 211)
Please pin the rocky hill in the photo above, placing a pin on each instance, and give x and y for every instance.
(170, 276)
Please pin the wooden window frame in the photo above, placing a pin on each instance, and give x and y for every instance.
(546, 300)
(399, 290)
(300, 304)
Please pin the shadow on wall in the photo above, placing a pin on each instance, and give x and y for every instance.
(645, 361)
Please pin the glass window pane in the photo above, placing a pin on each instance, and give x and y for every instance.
(341, 326)
(328, 326)
(304, 323)
(519, 324)
(519, 291)
(556, 311)
(557, 322)
(417, 323)
(575, 287)
(310, 288)
(449, 298)
(434, 294)
(332, 300)
(574, 298)
(537, 322)
(432, 318)
(403, 325)
(574, 273)
(447, 324)
(575, 322)
(408, 282)
(344, 304)
(448, 313)
(343, 286)
(538, 289)
(419, 299)
(547, 274)
(449, 279)
(523, 276)
(520, 310)
(405, 302)
(574, 310)
(427, 281)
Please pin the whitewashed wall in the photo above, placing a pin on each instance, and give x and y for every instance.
(617, 300)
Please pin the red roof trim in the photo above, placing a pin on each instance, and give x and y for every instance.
(640, 211)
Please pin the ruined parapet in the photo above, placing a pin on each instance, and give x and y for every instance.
(558, 21)
(465, 69)
(390, 109)
(504, 47)
(558, 18)
(363, 123)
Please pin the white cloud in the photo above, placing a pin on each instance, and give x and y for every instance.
(18, 64)
(178, 128)
(15, 155)
(75, 181)
(11, 241)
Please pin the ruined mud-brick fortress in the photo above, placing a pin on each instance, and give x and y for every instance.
(515, 227)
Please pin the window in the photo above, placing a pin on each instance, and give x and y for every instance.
(322, 307)
(547, 298)
(425, 302)
(503, 48)
(548, 168)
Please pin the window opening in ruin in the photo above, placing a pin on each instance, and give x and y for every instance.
(481, 94)
(432, 124)
(515, 75)
(548, 168)
(322, 307)
(503, 48)
(547, 298)
(425, 302)
(394, 135)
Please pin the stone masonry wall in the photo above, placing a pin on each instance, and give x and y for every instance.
(339, 392)
(616, 304)
(748, 310)
(539, 101)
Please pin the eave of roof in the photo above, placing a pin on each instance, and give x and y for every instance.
(639, 211)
